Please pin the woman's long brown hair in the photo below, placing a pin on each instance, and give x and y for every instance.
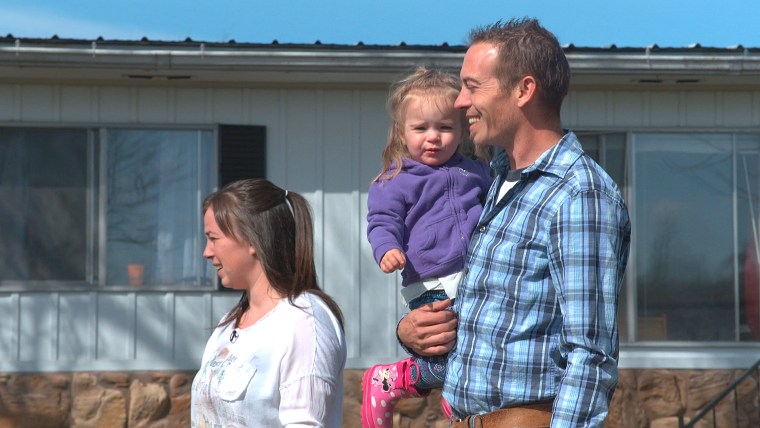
(278, 225)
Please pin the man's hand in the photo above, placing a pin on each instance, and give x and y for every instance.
(430, 329)
(392, 260)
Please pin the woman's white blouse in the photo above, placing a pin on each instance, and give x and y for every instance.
(285, 370)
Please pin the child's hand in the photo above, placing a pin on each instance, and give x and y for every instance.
(392, 260)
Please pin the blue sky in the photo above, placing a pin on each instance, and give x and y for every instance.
(587, 23)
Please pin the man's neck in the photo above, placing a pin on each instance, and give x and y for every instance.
(529, 146)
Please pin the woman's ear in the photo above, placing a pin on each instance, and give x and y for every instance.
(252, 251)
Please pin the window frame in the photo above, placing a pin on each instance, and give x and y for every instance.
(96, 209)
(664, 350)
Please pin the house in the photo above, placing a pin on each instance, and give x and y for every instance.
(108, 147)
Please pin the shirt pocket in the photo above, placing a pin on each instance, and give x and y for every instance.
(236, 378)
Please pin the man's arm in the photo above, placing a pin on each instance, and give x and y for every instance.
(429, 330)
(590, 239)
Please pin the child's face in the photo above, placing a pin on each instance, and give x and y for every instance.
(432, 129)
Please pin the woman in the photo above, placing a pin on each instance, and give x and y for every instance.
(277, 358)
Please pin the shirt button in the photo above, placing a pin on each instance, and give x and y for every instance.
(482, 229)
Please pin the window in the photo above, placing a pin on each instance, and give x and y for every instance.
(90, 207)
(694, 200)
(44, 179)
(155, 182)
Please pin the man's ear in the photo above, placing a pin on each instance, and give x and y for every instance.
(526, 90)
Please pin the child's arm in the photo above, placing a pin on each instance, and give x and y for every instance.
(386, 211)
(392, 260)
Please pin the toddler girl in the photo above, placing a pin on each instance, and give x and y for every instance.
(422, 208)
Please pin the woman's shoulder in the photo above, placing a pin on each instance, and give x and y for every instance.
(318, 307)
(306, 307)
(314, 325)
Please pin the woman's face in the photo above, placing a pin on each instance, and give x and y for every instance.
(235, 262)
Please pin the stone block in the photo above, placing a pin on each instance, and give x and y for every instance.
(411, 407)
(180, 384)
(37, 400)
(104, 408)
(704, 385)
(669, 422)
(626, 409)
(147, 403)
(352, 397)
(659, 393)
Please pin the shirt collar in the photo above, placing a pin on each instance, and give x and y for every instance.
(557, 160)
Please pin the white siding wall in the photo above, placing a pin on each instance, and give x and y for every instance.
(324, 143)
(666, 109)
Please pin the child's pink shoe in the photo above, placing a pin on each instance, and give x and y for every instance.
(384, 385)
(446, 409)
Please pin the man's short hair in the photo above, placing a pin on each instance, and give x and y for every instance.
(525, 48)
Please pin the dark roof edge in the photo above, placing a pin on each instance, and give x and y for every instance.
(188, 43)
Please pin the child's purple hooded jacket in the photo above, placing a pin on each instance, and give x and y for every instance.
(428, 213)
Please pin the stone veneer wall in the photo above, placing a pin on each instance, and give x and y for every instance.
(644, 398)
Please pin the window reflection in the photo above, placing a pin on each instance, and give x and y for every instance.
(79, 210)
(685, 242)
(695, 203)
(43, 188)
(153, 205)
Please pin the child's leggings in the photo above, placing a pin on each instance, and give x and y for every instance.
(432, 369)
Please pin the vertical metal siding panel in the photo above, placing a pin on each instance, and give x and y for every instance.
(663, 109)
(191, 329)
(78, 104)
(592, 108)
(37, 326)
(304, 154)
(152, 105)
(341, 240)
(39, 103)
(379, 305)
(627, 109)
(283, 163)
(75, 326)
(116, 320)
(303, 143)
(317, 200)
(228, 106)
(153, 327)
(221, 303)
(9, 327)
(736, 109)
(265, 108)
(569, 112)
(701, 109)
(190, 105)
(116, 104)
(9, 102)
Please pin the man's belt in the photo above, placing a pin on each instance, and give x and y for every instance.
(528, 416)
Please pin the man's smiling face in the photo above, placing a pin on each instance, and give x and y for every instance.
(491, 111)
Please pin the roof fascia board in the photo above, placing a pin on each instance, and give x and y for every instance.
(385, 60)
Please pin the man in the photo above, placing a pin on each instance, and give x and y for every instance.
(536, 332)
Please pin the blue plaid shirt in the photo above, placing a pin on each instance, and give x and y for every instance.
(538, 304)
